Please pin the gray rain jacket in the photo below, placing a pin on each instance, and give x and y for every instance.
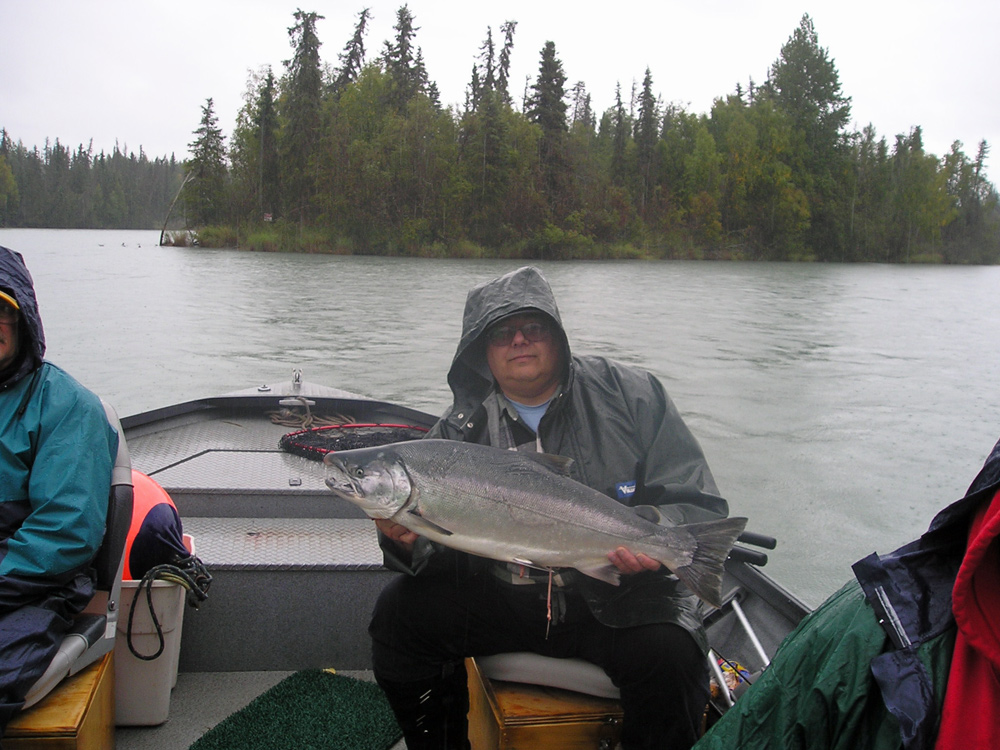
(621, 429)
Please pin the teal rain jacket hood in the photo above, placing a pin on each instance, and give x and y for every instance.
(16, 281)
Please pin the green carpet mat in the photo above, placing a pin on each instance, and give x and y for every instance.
(309, 710)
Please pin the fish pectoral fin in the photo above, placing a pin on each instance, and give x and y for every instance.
(530, 564)
(556, 464)
(418, 523)
(604, 572)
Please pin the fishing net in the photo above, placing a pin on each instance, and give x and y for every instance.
(316, 442)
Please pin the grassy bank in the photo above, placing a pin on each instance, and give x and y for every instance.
(551, 244)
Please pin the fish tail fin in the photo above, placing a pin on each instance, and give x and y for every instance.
(714, 540)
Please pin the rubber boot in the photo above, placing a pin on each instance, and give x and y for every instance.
(433, 714)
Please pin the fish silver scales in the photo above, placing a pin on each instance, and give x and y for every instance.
(523, 508)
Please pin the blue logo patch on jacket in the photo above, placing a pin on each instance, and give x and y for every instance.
(625, 490)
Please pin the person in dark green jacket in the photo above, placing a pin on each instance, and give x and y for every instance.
(57, 450)
(873, 667)
(516, 385)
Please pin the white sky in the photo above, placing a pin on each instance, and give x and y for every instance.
(138, 71)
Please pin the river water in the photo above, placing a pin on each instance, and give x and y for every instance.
(840, 406)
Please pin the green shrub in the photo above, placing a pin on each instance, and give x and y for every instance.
(217, 236)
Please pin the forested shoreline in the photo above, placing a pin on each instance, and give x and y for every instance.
(361, 157)
(77, 189)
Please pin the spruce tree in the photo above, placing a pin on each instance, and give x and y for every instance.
(646, 137)
(547, 107)
(301, 115)
(352, 59)
(805, 85)
(403, 63)
(204, 194)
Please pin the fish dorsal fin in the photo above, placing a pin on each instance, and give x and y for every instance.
(556, 464)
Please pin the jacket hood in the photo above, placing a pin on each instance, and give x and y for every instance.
(16, 281)
(518, 291)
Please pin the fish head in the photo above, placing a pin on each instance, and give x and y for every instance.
(374, 479)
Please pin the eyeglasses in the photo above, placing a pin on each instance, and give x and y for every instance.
(532, 331)
(7, 314)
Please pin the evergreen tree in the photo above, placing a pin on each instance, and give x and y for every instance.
(503, 69)
(204, 195)
(301, 103)
(352, 59)
(869, 204)
(620, 138)
(547, 108)
(646, 137)
(806, 86)
(403, 63)
(8, 190)
(267, 131)
(254, 157)
(487, 58)
(474, 92)
(582, 114)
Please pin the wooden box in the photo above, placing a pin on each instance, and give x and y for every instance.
(514, 716)
(79, 714)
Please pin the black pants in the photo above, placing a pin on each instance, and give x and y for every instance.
(34, 616)
(424, 625)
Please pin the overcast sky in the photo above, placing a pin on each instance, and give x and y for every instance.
(138, 71)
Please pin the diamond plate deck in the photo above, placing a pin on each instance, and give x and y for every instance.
(232, 452)
(285, 543)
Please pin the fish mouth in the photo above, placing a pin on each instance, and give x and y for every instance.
(344, 490)
(339, 480)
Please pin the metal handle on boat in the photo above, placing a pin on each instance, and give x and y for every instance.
(744, 555)
(757, 540)
(751, 633)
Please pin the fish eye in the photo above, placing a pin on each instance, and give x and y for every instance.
(359, 473)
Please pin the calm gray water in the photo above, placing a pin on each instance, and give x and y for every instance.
(840, 406)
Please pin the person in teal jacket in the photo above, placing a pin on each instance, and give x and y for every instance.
(57, 450)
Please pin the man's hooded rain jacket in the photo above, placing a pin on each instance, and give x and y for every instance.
(624, 434)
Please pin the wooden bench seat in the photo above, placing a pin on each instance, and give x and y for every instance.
(511, 716)
(79, 714)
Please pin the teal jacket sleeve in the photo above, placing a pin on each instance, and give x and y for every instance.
(73, 449)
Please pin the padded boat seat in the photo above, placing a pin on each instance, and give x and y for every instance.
(534, 669)
(506, 715)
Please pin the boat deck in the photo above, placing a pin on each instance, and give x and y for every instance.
(296, 571)
(200, 701)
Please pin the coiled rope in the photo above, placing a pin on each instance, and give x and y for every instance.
(292, 418)
(189, 572)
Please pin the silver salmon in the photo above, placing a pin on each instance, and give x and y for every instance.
(522, 508)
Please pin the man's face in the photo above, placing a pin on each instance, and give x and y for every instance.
(524, 355)
(8, 335)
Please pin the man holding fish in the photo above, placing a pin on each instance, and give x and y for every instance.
(517, 387)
